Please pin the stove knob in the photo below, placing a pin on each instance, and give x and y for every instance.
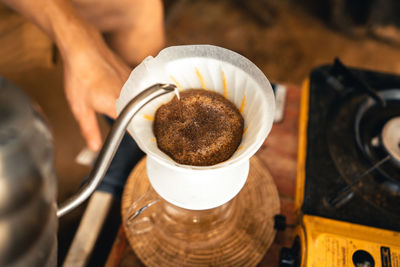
(290, 257)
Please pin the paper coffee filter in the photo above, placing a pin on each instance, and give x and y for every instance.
(210, 68)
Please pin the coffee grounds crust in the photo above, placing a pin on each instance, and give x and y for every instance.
(201, 129)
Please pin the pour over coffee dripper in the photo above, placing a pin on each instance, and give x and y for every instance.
(211, 68)
(187, 215)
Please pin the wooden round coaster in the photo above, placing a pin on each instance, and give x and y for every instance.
(236, 234)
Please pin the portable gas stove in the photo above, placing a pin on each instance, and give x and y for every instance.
(348, 184)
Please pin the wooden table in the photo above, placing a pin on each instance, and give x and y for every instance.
(278, 154)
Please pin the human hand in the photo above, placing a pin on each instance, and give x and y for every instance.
(93, 74)
(93, 78)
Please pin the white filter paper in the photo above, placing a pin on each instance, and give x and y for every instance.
(211, 68)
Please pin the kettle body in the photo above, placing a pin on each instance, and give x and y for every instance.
(28, 209)
(28, 186)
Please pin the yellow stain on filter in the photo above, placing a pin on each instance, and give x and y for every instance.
(176, 83)
(242, 104)
(245, 130)
(225, 85)
(239, 148)
(148, 117)
(153, 140)
(203, 85)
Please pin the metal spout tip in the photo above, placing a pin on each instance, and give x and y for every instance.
(168, 86)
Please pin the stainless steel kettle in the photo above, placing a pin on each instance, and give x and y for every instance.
(28, 208)
(28, 220)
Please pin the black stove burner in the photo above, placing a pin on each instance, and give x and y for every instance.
(370, 122)
(353, 127)
(350, 135)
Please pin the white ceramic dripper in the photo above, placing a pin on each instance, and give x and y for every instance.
(211, 68)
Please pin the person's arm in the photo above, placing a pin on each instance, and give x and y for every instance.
(93, 74)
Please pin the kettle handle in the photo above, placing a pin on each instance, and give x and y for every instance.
(111, 144)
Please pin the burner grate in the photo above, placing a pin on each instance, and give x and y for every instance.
(371, 119)
(336, 160)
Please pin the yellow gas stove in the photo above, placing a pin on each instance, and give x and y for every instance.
(348, 177)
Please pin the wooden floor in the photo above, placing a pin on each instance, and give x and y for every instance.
(286, 50)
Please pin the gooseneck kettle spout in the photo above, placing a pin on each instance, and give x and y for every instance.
(111, 144)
